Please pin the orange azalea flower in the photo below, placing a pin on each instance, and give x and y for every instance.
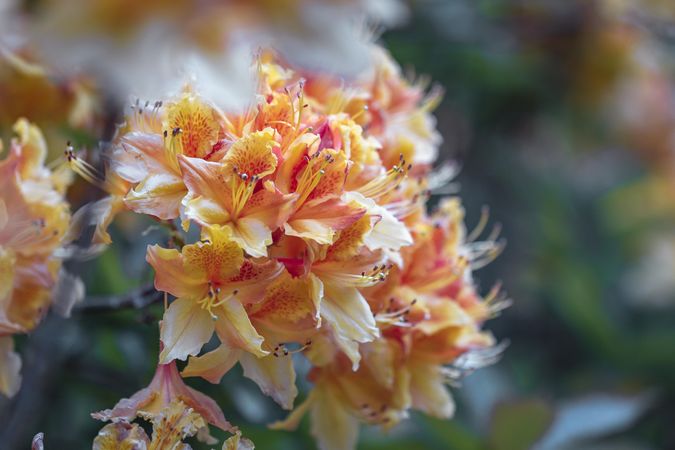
(165, 389)
(212, 282)
(174, 423)
(146, 155)
(288, 312)
(234, 194)
(33, 221)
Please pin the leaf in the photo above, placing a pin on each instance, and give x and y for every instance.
(518, 425)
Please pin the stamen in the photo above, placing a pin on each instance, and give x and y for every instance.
(387, 182)
(281, 350)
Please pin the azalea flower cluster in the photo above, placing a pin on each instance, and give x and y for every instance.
(34, 218)
(314, 240)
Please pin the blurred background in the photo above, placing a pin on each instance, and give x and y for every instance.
(561, 115)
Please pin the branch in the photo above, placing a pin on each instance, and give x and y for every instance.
(137, 299)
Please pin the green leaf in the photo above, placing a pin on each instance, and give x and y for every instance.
(519, 425)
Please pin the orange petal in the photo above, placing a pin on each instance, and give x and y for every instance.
(208, 180)
(172, 276)
(274, 375)
(253, 279)
(158, 194)
(234, 328)
(428, 391)
(212, 365)
(320, 220)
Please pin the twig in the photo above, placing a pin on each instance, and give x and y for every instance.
(137, 299)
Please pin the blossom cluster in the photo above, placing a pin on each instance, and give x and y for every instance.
(34, 218)
(314, 241)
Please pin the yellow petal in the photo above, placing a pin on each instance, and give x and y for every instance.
(378, 356)
(253, 154)
(186, 327)
(7, 269)
(212, 365)
(428, 391)
(332, 425)
(197, 122)
(234, 328)
(350, 241)
(215, 259)
(171, 275)
(205, 210)
(274, 375)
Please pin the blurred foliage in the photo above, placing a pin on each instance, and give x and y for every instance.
(528, 112)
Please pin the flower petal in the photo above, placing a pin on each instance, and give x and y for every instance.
(253, 154)
(348, 311)
(206, 179)
(186, 327)
(388, 231)
(204, 210)
(234, 328)
(333, 426)
(275, 376)
(158, 195)
(320, 221)
(216, 258)
(428, 391)
(171, 275)
(213, 365)
(253, 236)
(292, 422)
(10, 367)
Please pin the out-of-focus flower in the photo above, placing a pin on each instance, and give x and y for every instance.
(151, 49)
(170, 426)
(429, 316)
(34, 218)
